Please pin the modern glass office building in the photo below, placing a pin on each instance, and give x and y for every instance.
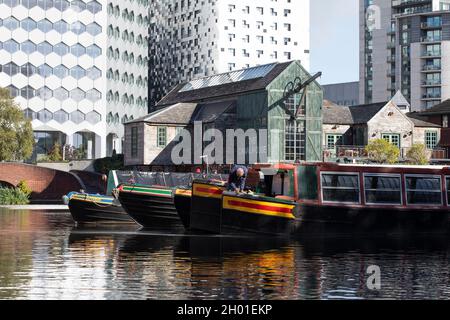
(194, 39)
(405, 45)
(77, 69)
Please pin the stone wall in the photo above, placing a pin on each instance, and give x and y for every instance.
(338, 129)
(419, 134)
(83, 165)
(391, 120)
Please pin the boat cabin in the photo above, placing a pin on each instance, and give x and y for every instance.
(334, 184)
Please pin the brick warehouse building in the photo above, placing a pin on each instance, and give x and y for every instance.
(253, 98)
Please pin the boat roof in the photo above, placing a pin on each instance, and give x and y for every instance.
(399, 166)
(287, 166)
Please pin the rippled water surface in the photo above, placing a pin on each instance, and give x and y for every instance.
(44, 256)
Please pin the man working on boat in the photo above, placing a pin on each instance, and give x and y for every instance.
(236, 181)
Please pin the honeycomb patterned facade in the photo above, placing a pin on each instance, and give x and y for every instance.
(54, 59)
(195, 38)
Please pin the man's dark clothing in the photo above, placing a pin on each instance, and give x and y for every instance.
(235, 182)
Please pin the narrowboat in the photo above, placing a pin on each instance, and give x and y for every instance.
(151, 205)
(148, 205)
(217, 211)
(364, 198)
(94, 208)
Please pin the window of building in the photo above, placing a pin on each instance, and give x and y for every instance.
(334, 140)
(340, 188)
(392, 138)
(295, 137)
(134, 142)
(431, 139)
(179, 131)
(162, 137)
(423, 190)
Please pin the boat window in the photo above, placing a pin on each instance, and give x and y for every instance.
(338, 187)
(282, 184)
(384, 189)
(423, 190)
(448, 190)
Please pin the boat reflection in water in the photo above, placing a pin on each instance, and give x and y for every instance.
(43, 256)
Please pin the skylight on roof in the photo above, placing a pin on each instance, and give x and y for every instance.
(229, 77)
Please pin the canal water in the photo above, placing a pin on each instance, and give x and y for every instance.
(45, 256)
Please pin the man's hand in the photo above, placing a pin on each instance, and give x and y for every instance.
(237, 190)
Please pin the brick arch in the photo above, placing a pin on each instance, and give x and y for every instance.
(48, 185)
(5, 184)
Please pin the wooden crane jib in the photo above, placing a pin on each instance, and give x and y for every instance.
(298, 87)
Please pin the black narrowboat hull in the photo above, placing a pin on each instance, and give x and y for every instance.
(150, 209)
(182, 201)
(206, 207)
(344, 219)
(254, 215)
(90, 212)
(218, 212)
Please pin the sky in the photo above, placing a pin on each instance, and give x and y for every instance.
(334, 40)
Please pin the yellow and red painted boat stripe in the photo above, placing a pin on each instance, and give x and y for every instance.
(259, 207)
(182, 192)
(207, 191)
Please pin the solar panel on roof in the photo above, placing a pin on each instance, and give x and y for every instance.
(229, 77)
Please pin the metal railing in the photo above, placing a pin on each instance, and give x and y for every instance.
(432, 53)
(431, 67)
(359, 153)
(426, 25)
(431, 39)
(436, 82)
(431, 96)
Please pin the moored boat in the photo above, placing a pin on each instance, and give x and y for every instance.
(90, 208)
(217, 211)
(330, 198)
(148, 205)
(258, 214)
(364, 198)
(153, 204)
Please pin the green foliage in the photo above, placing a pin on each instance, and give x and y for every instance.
(23, 186)
(72, 153)
(417, 155)
(13, 196)
(107, 164)
(16, 132)
(381, 151)
(55, 153)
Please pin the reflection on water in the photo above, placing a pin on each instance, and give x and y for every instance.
(43, 256)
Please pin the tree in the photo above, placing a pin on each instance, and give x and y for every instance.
(23, 186)
(16, 132)
(418, 155)
(55, 153)
(381, 151)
